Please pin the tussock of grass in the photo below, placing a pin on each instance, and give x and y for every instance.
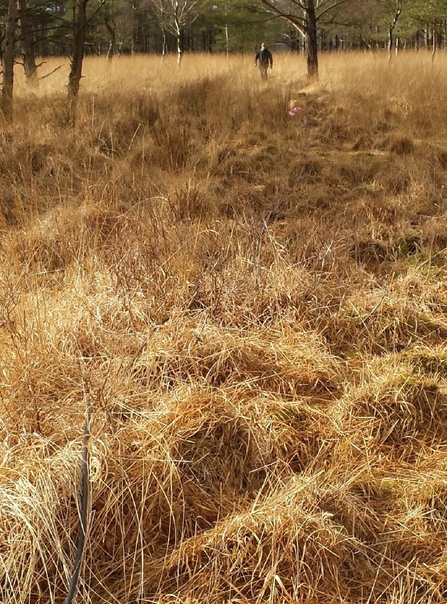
(252, 308)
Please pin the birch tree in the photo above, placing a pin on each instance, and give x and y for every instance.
(173, 16)
(393, 9)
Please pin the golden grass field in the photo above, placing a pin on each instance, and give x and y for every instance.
(253, 309)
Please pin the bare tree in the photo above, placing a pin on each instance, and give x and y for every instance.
(395, 8)
(387, 15)
(28, 51)
(8, 62)
(304, 15)
(173, 16)
(111, 30)
(74, 77)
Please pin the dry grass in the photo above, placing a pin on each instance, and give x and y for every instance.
(253, 309)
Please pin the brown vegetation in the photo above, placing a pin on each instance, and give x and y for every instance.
(252, 306)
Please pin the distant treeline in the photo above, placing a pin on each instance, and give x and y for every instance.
(164, 26)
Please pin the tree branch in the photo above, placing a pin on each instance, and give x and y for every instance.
(332, 6)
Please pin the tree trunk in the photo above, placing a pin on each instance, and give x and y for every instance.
(179, 43)
(29, 59)
(391, 29)
(111, 30)
(8, 66)
(311, 40)
(179, 51)
(163, 48)
(75, 75)
(390, 43)
(434, 43)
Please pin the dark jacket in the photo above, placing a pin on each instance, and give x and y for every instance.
(264, 56)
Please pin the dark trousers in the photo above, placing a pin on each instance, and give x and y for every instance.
(263, 70)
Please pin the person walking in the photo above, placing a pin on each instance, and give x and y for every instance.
(264, 59)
